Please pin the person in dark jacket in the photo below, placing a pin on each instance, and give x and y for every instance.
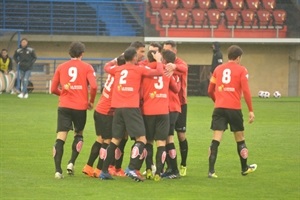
(217, 58)
(25, 57)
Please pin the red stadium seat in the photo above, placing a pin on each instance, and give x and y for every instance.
(182, 17)
(279, 17)
(172, 4)
(204, 4)
(188, 4)
(253, 4)
(263, 18)
(213, 17)
(269, 4)
(166, 17)
(198, 18)
(237, 4)
(155, 5)
(221, 4)
(247, 18)
(232, 17)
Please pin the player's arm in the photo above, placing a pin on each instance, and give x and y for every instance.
(175, 84)
(93, 87)
(211, 88)
(109, 66)
(159, 67)
(247, 95)
(54, 84)
(179, 67)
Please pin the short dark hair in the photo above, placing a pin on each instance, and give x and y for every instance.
(170, 42)
(150, 56)
(156, 44)
(129, 54)
(76, 49)
(24, 39)
(137, 44)
(234, 51)
(168, 56)
(121, 60)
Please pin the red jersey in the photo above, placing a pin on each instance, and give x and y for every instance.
(227, 84)
(155, 94)
(104, 103)
(74, 77)
(126, 90)
(174, 102)
(182, 70)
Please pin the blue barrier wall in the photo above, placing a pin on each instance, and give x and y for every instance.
(78, 17)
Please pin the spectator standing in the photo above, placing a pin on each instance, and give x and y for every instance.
(217, 58)
(25, 57)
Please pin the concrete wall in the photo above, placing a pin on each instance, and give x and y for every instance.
(271, 66)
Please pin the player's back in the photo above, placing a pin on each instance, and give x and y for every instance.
(228, 79)
(73, 79)
(126, 87)
(155, 93)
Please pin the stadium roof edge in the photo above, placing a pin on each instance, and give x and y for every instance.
(225, 40)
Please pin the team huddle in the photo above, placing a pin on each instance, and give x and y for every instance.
(144, 100)
(134, 103)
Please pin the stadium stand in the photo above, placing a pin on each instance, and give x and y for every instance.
(221, 4)
(156, 5)
(237, 4)
(188, 4)
(172, 4)
(253, 4)
(182, 17)
(204, 4)
(199, 19)
(263, 18)
(269, 4)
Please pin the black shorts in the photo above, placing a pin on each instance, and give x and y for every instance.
(221, 117)
(157, 126)
(68, 118)
(180, 125)
(173, 119)
(129, 120)
(103, 125)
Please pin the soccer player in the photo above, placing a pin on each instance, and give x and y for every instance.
(180, 68)
(155, 111)
(127, 116)
(228, 83)
(140, 49)
(71, 82)
(172, 171)
(103, 116)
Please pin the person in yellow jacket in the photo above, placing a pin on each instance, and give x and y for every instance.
(7, 75)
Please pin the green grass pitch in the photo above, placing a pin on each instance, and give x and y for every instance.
(27, 134)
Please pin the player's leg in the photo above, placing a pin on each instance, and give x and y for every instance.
(149, 121)
(218, 125)
(108, 155)
(21, 75)
(213, 152)
(237, 127)
(79, 121)
(64, 124)
(160, 158)
(119, 155)
(180, 128)
(94, 154)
